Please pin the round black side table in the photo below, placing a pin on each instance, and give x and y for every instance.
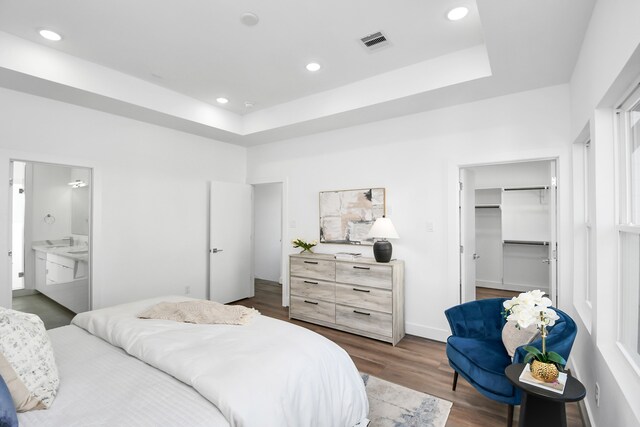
(540, 407)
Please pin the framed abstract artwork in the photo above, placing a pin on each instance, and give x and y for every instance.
(347, 215)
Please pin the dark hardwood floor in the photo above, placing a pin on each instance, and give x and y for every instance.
(484, 293)
(417, 363)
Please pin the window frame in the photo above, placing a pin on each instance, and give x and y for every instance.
(624, 216)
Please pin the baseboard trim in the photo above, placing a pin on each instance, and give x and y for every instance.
(489, 284)
(586, 414)
(427, 332)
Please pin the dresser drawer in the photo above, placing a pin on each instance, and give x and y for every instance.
(369, 298)
(313, 268)
(313, 288)
(377, 276)
(313, 308)
(364, 320)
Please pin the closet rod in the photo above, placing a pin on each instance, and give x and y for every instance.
(526, 188)
(524, 242)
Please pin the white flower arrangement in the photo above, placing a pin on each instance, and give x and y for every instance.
(533, 308)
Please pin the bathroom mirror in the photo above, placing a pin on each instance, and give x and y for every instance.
(80, 211)
(80, 200)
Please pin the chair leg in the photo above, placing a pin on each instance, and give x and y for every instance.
(510, 416)
(455, 380)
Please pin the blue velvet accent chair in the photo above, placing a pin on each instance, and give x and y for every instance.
(8, 416)
(476, 352)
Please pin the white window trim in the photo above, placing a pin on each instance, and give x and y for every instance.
(623, 210)
(583, 282)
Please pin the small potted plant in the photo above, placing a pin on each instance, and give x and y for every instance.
(306, 246)
(534, 308)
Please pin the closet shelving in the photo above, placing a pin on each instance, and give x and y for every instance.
(512, 237)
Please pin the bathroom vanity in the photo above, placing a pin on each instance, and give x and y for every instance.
(61, 273)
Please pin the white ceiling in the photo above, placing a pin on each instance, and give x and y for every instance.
(113, 52)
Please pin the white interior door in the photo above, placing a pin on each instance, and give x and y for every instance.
(467, 236)
(17, 205)
(553, 237)
(230, 254)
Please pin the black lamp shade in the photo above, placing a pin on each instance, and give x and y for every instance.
(382, 250)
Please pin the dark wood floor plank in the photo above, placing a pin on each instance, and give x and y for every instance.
(417, 363)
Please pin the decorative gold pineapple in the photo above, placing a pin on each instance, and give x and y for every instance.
(547, 372)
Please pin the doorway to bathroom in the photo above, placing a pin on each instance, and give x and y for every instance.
(50, 240)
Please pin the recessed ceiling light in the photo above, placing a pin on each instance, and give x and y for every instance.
(222, 100)
(457, 13)
(249, 19)
(50, 35)
(313, 66)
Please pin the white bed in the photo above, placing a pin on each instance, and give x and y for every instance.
(267, 373)
(101, 385)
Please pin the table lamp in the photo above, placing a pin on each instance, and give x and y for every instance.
(383, 229)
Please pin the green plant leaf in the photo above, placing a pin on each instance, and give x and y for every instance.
(556, 358)
(533, 350)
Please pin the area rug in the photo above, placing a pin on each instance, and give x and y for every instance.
(393, 405)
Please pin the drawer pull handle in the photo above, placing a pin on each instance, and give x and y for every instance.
(362, 312)
(312, 283)
(311, 302)
(362, 290)
(311, 262)
(361, 268)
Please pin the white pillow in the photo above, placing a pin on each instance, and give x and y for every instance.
(28, 362)
(512, 337)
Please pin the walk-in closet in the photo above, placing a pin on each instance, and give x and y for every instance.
(514, 226)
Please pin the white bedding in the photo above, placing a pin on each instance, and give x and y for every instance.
(101, 385)
(267, 373)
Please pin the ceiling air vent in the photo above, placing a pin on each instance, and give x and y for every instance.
(374, 41)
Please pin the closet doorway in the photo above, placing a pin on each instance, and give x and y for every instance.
(508, 229)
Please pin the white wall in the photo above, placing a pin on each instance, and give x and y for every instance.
(267, 208)
(522, 174)
(416, 158)
(609, 61)
(150, 192)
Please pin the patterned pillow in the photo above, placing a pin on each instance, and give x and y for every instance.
(26, 360)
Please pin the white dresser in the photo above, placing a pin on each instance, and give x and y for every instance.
(363, 297)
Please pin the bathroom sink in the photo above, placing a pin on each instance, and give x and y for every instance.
(78, 252)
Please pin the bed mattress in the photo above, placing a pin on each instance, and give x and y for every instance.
(101, 385)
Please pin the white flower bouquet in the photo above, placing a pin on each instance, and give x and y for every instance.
(533, 308)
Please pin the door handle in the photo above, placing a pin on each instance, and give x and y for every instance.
(546, 261)
(215, 250)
